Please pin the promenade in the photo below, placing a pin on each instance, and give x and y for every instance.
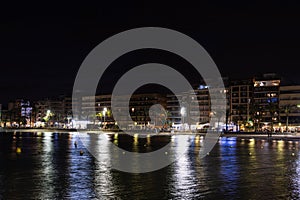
(257, 135)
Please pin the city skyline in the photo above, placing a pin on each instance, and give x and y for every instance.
(251, 104)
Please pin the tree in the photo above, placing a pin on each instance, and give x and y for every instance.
(48, 116)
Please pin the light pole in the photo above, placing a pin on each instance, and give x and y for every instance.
(258, 119)
(182, 112)
(104, 112)
(48, 115)
(132, 113)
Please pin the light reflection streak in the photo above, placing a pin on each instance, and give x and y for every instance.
(47, 170)
(229, 169)
(296, 179)
(102, 176)
(148, 140)
(184, 175)
(135, 139)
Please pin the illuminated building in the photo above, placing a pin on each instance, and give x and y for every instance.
(240, 100)
(91, 108)
(266, 97)
(19, 113)
(289, 102)
(59, 107)
(196, 110)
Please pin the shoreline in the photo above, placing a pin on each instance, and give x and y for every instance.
(245, 135)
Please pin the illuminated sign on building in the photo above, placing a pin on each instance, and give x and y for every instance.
(267, 83)
(201, 87)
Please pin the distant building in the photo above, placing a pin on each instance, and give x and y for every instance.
(19, 113)
(195, 109)
(289, 102)
(266, 98)
(173, 108)
(53, 111)
(253, 103)
(240, 100)
(140, 105)
(97, 109)
(184, 108)
(204, 103)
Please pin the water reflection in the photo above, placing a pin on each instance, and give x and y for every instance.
(50, 167)
(229, 166)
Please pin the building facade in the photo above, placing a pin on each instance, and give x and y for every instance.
(196, 108)
(289, 103)
(18, 114)
(240, 100)
(53, 112)
(256, 103)
(265, 102)
(97, 109)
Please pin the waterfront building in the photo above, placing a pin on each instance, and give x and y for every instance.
(260, 103)
(97, 109)
(289, 102)
(265, 101)
(53, 112)
(173, 107)
(204, 103)
(139, 107)
(189, 109)
(240, 100)
(19, 113)
(194, 109)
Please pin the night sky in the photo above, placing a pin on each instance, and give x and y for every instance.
(42, 46)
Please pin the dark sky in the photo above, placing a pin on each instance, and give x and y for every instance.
(42, 46)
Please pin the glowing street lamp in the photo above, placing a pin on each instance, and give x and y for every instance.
(132, 111)
(104, 112)
(183, 113)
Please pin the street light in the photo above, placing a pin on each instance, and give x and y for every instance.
(182, 112)
(132, 111)
(104, 112)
